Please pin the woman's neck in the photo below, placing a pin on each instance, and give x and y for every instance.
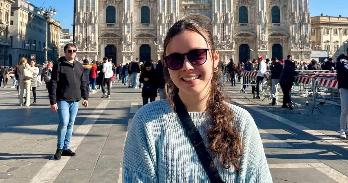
(196, 103)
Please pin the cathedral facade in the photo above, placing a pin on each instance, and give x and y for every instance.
(243, 29)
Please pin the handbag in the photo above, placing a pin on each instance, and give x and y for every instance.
(27, 74)
(196, 140)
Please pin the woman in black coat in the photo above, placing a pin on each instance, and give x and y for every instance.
(342, 78)
(148, 78)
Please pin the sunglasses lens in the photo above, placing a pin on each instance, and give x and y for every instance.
(197, 57)
(174, 61)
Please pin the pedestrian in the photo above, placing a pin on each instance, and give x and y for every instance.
(148, 78)
(93, 76)
(100, 76)
(2, 69)
(87, 70)
(25, 73)
(342, 79)
(5, 76)
(160, 79)
(47, 73)
(159, 148)
(328, 65)
(125, 74)
(67, 86)
(107, 73)
(35, 79)
(276, 69)
(261, 71)
(286, 80)
(134, 70)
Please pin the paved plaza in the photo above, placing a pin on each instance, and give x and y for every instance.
(300, 146)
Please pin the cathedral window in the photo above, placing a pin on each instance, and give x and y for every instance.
(275, 15)
(243, 14)
(110, 15)
(145, 15)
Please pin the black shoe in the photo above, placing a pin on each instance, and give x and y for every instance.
(257, 97)
(68, 152)
(285, 106)
(290, 106)
(273, 101)
(58, 154)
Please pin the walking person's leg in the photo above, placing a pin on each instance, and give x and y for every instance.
(27, 88)
(145, 100)
(73, 109)
(258, 82)
(21, 92)
(152, 99)
(109, 86)
(344, 112)
(63, 120)
(284, 95)
(274, 90)
(103, 87)
(34, 93)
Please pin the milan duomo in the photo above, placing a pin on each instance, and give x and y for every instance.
(127, 29)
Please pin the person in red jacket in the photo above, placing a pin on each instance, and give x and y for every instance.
(93, 76)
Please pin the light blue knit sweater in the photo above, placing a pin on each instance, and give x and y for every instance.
(157, 149)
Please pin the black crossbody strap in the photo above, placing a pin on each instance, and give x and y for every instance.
(197, 141)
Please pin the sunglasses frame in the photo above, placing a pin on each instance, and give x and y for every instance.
(71, 51)
(183, 55)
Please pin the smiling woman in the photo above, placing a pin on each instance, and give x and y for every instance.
(194, 135)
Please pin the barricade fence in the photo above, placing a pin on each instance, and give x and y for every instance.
(312, 84)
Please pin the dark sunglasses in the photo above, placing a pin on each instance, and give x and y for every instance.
(175, 61)
(70, 51)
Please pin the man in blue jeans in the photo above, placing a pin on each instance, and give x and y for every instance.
(67, 86)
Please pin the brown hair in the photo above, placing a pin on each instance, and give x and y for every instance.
(223, 134)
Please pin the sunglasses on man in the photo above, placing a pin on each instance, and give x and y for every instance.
(71, 51)
(175, 61)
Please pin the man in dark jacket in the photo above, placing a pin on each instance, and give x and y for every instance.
(68, 85)
(328, 65)
(342, 79)
(286, 80)
(276, 69)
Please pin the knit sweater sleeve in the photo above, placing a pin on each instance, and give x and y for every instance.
(254, 167)
(138, 162)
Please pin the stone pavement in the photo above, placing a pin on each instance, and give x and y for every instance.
(300, 146)
(28, 138)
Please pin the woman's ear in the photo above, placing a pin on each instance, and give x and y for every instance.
(216, 58)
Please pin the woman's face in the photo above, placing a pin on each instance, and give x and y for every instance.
(192, 80)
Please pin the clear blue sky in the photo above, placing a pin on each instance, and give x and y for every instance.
(65, 9)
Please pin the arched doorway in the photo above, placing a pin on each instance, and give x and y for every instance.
(145, 53)
(244, 53)
(277, 51)
(10, 60)
(110, 52)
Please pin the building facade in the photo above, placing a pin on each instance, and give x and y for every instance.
(129, 29)
(329, 33)
(29, 31)
(53, 39)
(65, 38)
(5, 11)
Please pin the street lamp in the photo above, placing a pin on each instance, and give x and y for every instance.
(47, 13)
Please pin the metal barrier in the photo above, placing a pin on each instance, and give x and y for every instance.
(248, 79)
(313, 84)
